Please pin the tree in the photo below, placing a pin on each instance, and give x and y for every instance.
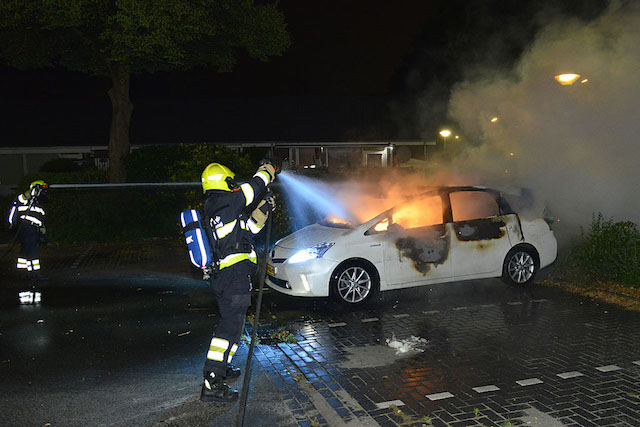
(116, 38)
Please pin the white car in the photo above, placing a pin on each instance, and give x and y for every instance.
(447, 234)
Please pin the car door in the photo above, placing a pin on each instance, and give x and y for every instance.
(415, 242)
(480, 233)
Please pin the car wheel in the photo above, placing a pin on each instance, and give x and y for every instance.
(520, 266)
(354, 283)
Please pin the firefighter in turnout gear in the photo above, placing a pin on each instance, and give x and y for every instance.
(227, 209)
(27, 215)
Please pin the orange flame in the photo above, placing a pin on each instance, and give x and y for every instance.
(336, 220)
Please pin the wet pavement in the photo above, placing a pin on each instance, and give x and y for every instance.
(121, 333)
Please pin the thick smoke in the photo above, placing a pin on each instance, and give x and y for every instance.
(577, 145)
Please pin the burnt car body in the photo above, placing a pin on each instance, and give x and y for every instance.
(444, 235)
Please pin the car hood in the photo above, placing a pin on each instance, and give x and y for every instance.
(312, 235)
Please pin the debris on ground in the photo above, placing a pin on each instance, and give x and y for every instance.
(411, 344)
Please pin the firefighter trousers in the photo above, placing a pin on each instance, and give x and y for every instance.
(28, 258)
(232, 288)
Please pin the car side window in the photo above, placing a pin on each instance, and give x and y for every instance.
(420, 212)
(469, 205)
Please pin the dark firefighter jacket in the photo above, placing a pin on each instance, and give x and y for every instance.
(231, 225)
(27, 208)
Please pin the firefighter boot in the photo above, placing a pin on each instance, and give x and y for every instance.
(215, 390)
(233, 372)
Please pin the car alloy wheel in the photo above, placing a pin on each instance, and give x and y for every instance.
(354, 285)
(521, 267)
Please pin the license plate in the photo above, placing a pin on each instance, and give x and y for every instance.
(271, 270)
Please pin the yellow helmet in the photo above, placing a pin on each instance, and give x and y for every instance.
(214, 177)
(38, 182)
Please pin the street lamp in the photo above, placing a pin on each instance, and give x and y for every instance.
(445, 133)
(567, 79)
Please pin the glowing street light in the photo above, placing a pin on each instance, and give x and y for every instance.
(444, 133)
(494, 120)
(584, 80)
(567, 79)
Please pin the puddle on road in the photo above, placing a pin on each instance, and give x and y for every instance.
(412, 344)
(79, 295)
(533, 416)
(371, 356)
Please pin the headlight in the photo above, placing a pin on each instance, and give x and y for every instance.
(315, 251)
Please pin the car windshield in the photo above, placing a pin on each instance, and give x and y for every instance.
(404, 212)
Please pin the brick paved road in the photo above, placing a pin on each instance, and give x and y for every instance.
(495, 356)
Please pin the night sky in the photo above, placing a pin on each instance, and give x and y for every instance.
(353, 72)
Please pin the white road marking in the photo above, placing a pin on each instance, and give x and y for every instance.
(336, 325)
(486, 388)
(439, 396)
(386, 405)
(401, 315)
(529, 381)
(608, 368)
(515, 303)
(431, 312)
(571, 374)
(637, 362)
(370, 319)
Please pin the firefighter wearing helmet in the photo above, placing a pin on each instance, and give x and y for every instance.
(27, 215)
(227, 209)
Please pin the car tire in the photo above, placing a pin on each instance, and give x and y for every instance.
(520, 266)
(354, 283)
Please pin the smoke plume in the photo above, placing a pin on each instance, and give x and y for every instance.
(576, 145)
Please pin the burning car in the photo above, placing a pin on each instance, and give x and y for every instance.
(446, 234)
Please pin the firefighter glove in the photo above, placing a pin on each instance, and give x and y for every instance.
(269, 169)
(271, 201)
(260, 214)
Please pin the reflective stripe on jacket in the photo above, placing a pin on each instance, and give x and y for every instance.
(27, 209)
(225, 212)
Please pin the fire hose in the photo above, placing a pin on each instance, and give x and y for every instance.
(262, 274)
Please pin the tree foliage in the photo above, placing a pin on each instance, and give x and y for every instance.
(118, 37)
(150, 35)
(183, 163)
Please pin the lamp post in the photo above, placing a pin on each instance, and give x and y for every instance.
(445, 133)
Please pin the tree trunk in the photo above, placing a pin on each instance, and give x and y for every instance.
(122, 108)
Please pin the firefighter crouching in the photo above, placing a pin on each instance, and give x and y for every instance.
(225, 206)
(27, 216)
